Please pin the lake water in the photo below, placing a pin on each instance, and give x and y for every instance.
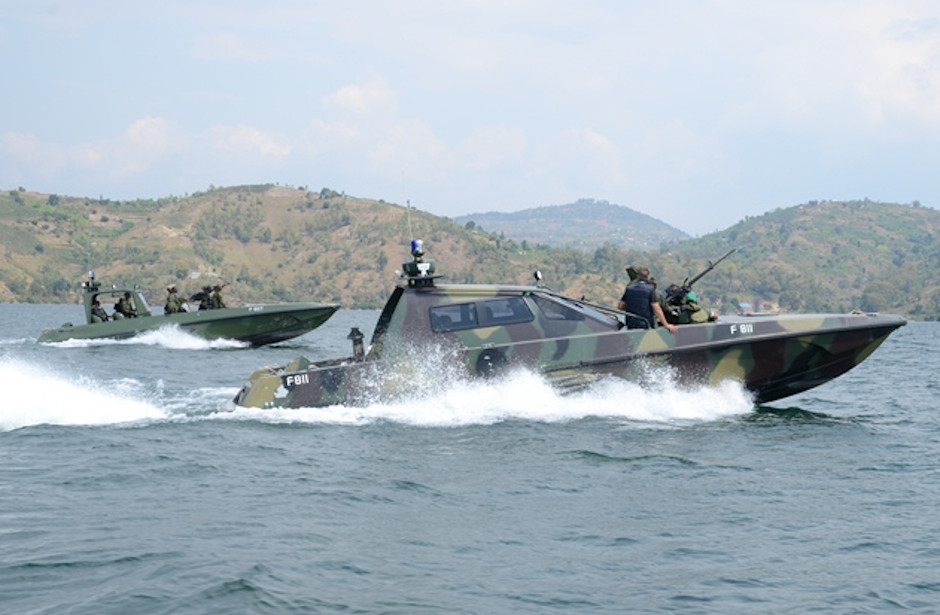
(130, 483)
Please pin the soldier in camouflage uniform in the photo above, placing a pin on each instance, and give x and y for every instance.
(125, 307)
(215, 300)
(174, 303)
(97, 312)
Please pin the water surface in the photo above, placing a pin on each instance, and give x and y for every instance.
(131, 484)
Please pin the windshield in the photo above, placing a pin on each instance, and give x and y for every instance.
(561, 308)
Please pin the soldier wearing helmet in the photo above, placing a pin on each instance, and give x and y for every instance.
(174, 303)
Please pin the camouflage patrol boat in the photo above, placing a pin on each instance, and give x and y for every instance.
(484, 330)
(255, 325)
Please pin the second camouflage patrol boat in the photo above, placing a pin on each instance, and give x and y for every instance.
(255, 325)
(485, 330)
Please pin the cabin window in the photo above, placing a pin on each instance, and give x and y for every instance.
(553, 310)
(491, 313)
(505, 311)
(453, 317)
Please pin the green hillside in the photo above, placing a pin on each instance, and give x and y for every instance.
(585, 224)
(820, 256)
(834, 256)
(268, 242)
(277, 243)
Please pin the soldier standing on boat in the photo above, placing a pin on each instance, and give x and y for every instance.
(641, 302)
(215, 300)
(203, 297)
(174, 303)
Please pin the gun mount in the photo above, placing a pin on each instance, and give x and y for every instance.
(676, 294)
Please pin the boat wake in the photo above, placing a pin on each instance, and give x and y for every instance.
(44, 398)
(170, 336)
(36, 397)
(19, 341)
(526, 396)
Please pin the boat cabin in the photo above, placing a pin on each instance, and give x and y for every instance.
(108, 298)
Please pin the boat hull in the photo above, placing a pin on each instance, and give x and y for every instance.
(255, 325)
(780, 358)
(572, 345)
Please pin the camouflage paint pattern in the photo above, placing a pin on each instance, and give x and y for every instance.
(572, 343)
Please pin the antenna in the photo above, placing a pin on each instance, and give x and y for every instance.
(411, 234)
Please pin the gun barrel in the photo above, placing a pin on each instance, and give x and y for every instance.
(711, 266)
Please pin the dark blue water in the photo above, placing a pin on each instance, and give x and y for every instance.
(130, 484)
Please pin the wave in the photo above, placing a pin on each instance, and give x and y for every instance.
(41, 396)
(169, 336)
(34, 396)
(526, 396)
(19, 341)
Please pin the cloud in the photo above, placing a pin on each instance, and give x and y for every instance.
(23, 147)
(387, 150)
(372, 100)
(27, 157)
(832, 68)
(143, 143)
(359, 125)
(248, 142)
(725, 106)
(902, 76)
(151, 136)
(148, 148)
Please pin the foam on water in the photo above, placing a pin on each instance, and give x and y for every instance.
(170, 336)
(16, 341)
(43, 396)
(523, 395)
(34, 396)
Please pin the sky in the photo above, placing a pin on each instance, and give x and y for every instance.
(699, 113)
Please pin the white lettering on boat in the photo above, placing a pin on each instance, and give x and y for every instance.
(292, 381)
(742, 329)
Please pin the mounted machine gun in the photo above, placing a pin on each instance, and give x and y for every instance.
(681, 302)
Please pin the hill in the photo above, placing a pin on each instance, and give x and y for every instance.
(274, 243)
(830, 255)
(818, 256)
(586, 224)
(271, 243)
